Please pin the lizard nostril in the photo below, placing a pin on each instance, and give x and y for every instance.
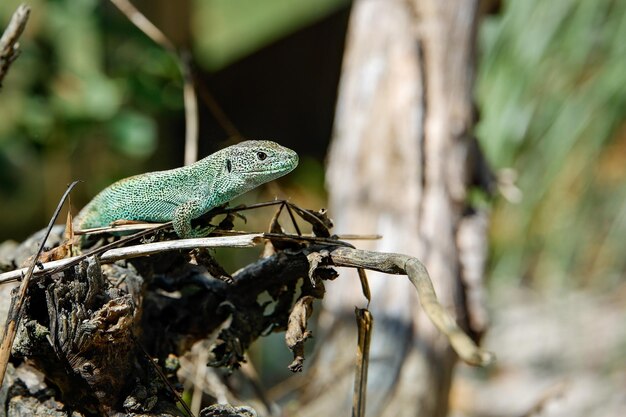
(229, 166)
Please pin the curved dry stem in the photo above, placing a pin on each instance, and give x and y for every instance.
(392, 263)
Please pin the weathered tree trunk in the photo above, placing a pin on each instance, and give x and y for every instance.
(401, 163)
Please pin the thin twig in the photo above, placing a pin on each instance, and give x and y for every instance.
(120, 228)
(14, 315)
(9, 45)
(143, 24)
(162, 376)
(551, 394)
(191, 110)
(252, 206)
(216, 110)
(293, 219)
(184, 65)
(334, 238)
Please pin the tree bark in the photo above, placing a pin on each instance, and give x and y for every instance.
(401, 164)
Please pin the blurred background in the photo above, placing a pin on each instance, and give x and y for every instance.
(92, 98)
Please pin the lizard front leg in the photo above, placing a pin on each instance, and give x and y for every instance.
(182, 220)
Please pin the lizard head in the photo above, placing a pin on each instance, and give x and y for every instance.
(249, 164)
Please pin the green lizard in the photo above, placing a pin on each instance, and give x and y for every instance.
(182, 194)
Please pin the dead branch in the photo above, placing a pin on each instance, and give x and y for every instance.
(9, 45)
(392, 263)
(168, 295)
(147, 249)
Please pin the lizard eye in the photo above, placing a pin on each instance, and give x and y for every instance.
(261, 156)
(229, 166)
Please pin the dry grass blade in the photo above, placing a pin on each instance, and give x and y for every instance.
(365, 285)
(13, 318)
(365, 324)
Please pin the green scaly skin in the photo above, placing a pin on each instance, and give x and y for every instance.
(182, 194)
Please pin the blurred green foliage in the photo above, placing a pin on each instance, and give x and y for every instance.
(82, 101)
(552, 92)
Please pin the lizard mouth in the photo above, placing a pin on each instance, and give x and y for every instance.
(264, 171)
(282, 170)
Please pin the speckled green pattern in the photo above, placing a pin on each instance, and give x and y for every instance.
(186, 193)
